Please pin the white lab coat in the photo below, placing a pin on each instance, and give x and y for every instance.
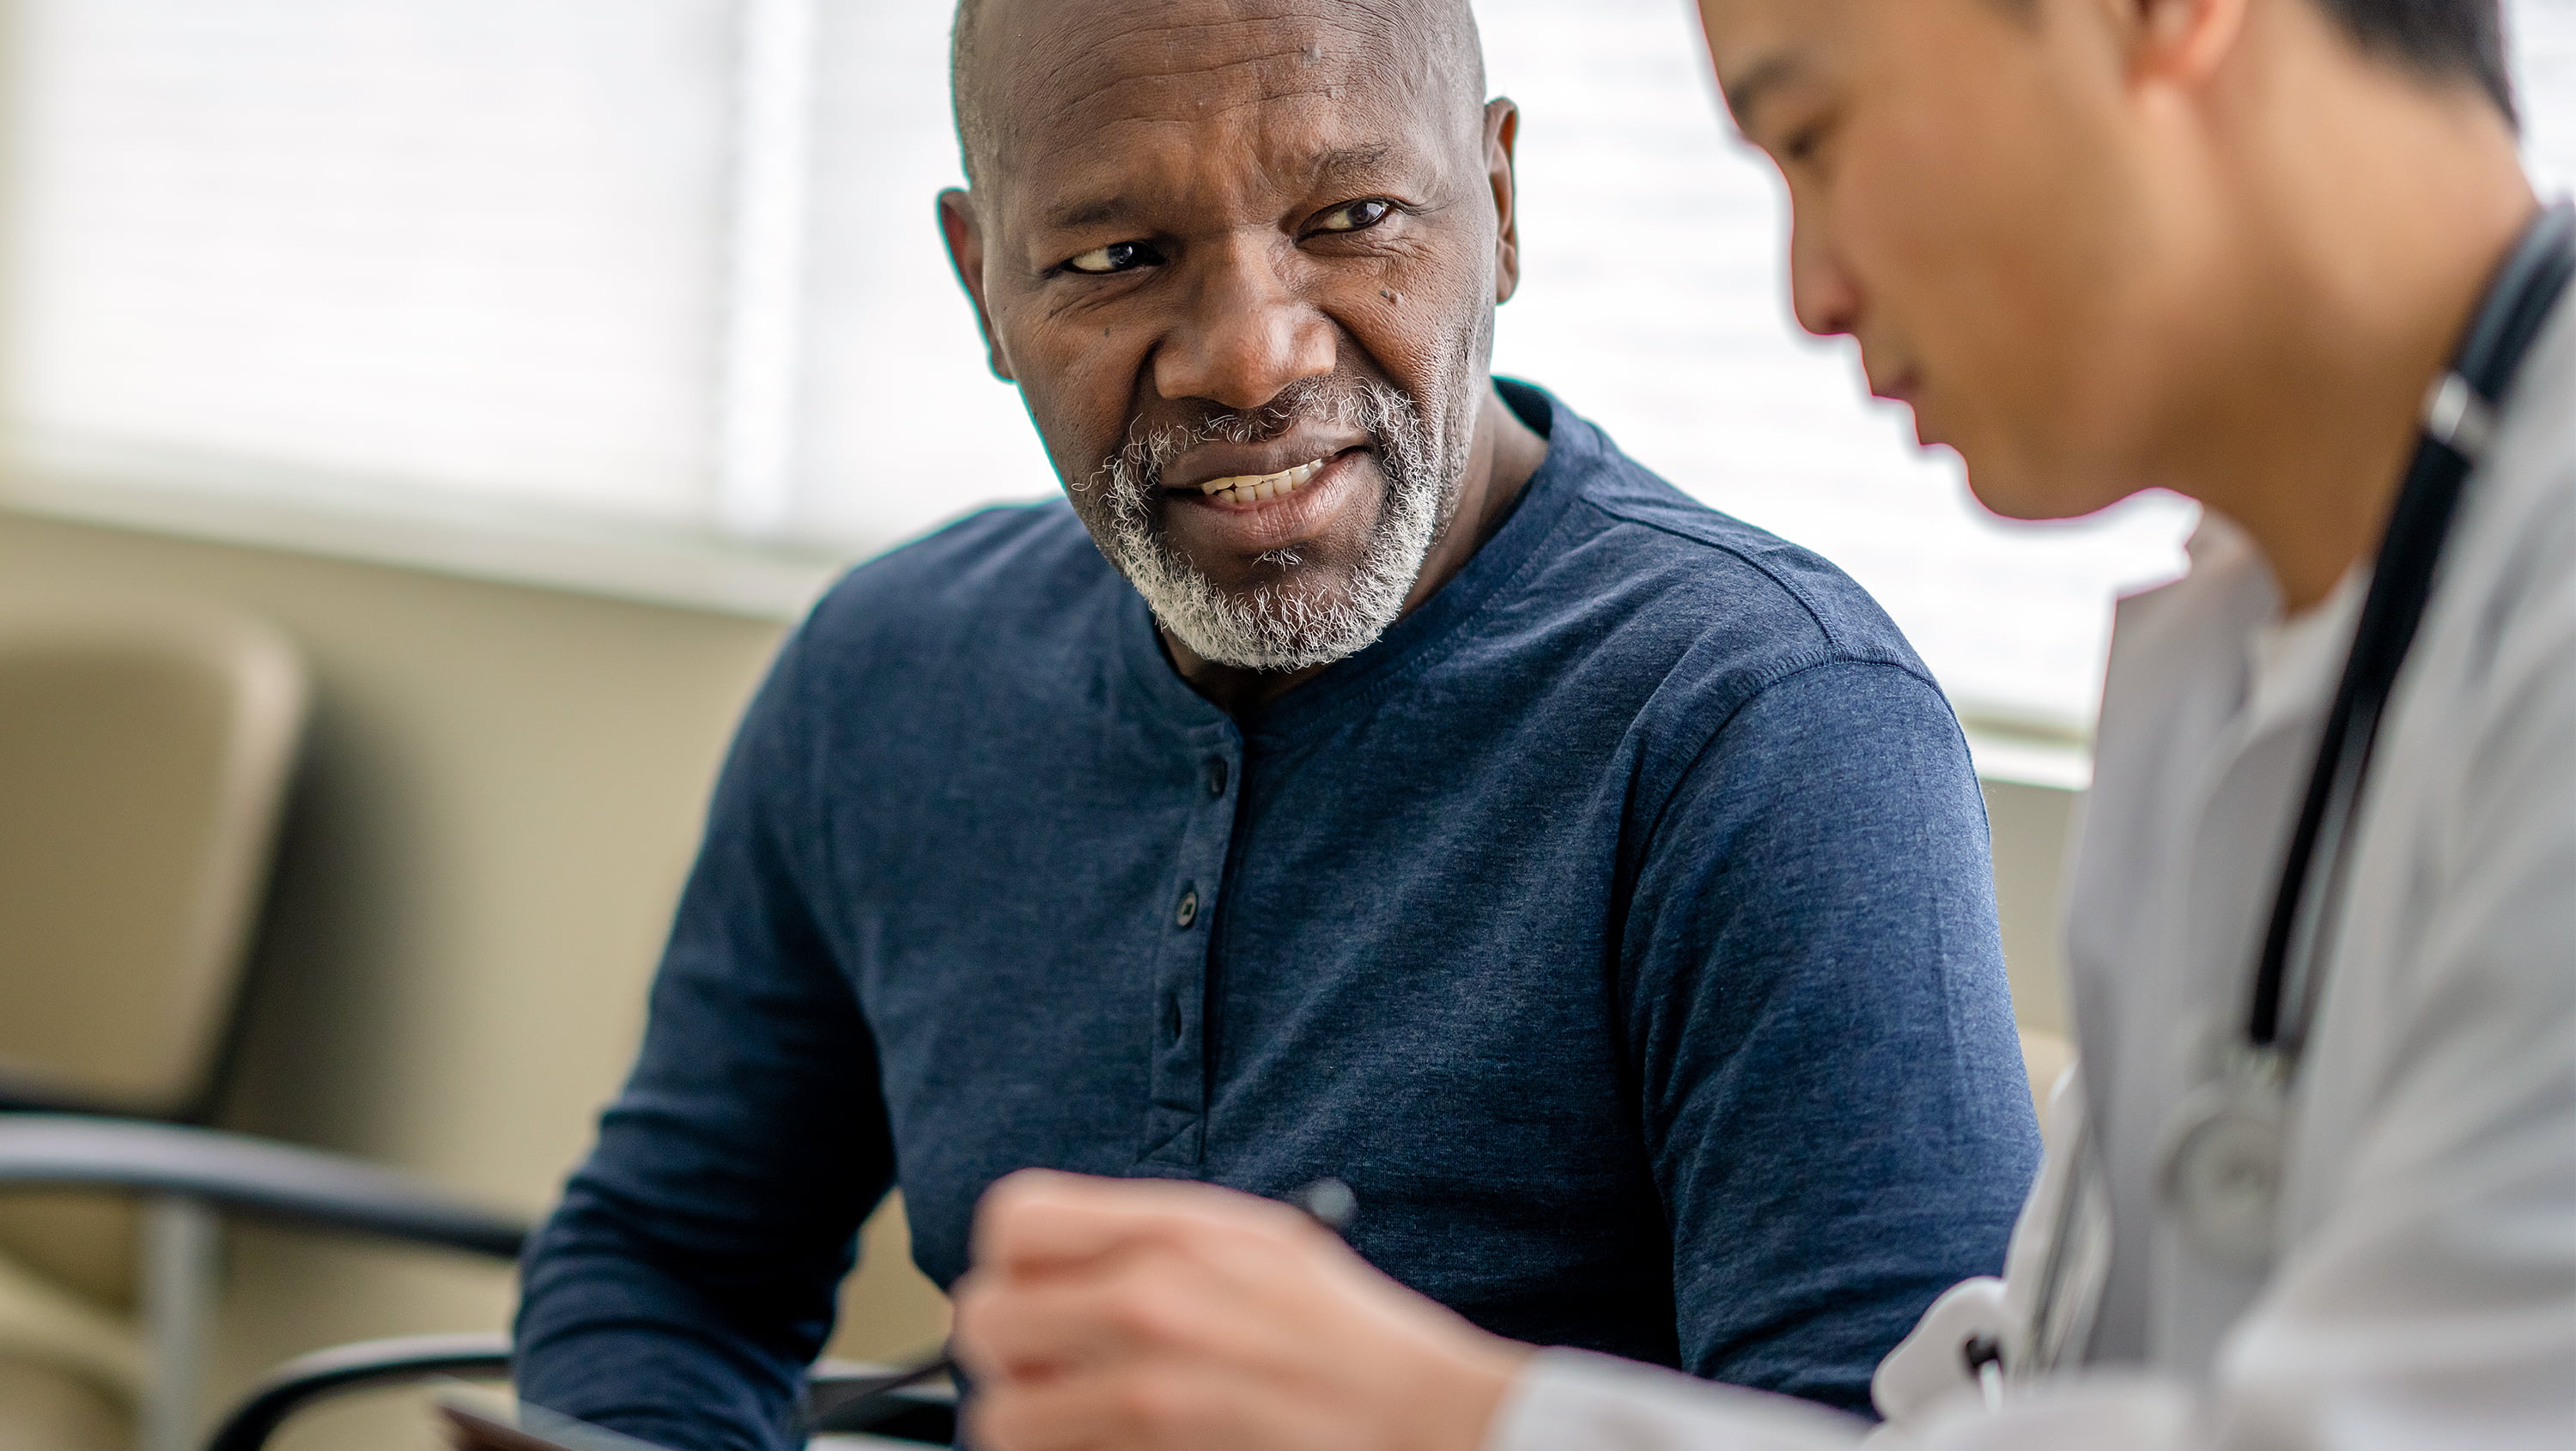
(2425, 1294)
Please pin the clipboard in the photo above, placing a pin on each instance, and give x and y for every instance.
(481, 1421)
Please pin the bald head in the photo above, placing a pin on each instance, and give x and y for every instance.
(1021, 64)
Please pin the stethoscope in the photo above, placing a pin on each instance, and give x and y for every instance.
(2225, 1149)
(2221, 1163)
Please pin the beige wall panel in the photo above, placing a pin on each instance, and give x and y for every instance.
(502, 793)
(2031, 825)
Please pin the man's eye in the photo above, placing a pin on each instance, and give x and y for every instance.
(1116, 257)
(1356, 216)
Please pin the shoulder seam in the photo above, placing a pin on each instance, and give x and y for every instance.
(1833, 637)
(1789, 671)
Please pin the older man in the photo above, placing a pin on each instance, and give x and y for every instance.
(1372, 774)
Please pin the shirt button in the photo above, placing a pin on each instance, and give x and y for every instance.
(1216, 777)
(1188, 911)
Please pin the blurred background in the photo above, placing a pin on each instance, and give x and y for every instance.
(526, 366)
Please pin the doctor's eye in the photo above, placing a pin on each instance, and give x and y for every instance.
(1116, 257)
(1805, 145)
(1356, 216)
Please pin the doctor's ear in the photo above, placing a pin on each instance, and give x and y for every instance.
(964, 233)
(2178, 42)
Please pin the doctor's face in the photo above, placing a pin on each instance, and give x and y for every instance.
(1967, 199)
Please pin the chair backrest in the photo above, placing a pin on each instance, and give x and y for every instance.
(144, 755)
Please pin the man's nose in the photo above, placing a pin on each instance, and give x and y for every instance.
(1246, 333)
(1822, 291)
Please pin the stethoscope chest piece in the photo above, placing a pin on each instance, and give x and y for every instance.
(2221, 1165)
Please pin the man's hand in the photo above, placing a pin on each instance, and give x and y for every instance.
(1148, 1315)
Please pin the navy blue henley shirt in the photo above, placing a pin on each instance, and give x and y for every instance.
(1619, 926)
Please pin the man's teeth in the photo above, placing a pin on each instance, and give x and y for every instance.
(1253, 488)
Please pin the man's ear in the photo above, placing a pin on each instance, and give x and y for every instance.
(2178, 42)
(965, 234)
(1502, 133)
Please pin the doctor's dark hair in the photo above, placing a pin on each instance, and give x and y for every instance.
(2442, 39)
(2439, 40)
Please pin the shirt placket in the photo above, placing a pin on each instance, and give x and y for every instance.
(1176, 1110)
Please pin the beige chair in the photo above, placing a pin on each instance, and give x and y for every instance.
(144, 754)
(143, 757)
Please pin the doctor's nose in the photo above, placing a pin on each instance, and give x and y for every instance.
(1822, 291)
(1244, 336)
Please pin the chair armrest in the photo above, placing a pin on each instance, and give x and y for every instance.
(928, 1416)
(324, 1373)
(59, 1151)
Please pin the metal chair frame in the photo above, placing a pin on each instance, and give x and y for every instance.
(908, 1413)
(186, 1177)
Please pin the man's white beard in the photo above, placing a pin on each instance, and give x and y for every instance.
(1277, 627)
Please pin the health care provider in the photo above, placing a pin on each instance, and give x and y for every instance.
(2316, 1187)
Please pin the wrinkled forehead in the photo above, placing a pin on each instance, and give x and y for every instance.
(1078, 95)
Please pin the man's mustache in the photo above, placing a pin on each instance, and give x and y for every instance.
(1333, 402)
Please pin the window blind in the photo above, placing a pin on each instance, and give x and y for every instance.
(676, 261)
(448, 245)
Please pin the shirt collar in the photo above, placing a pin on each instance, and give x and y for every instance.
(2226, 614)
(2292, 662)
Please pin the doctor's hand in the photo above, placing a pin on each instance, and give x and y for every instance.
(1149, 1315)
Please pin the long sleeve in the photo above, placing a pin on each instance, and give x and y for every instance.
(2433, 1302)
(687, 1278)
(1834, 1103)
